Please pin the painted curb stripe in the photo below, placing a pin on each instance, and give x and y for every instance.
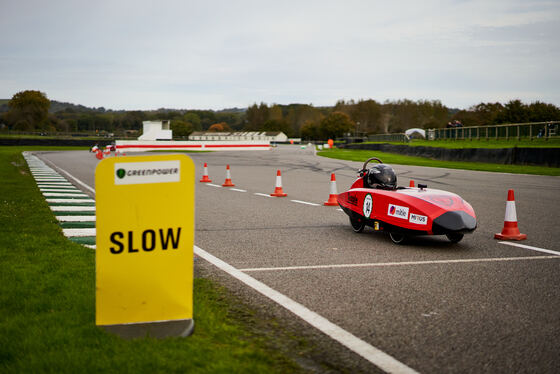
(72, 208)
(77, 225)
(69, 195)
(79, 232)
(76, 218)
(59, 189)
(75, 213)
(79, 201)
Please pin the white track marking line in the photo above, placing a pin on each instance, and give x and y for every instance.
(65, 194)
(54, 184)
(237, 189)
(262, 194)
(531, 248)
(352, 342)
(213, 185)
(76, 218)
(403, 263)
(305, 202)
(65, 190)
(78, 232)
(72, 208)
(70, 201)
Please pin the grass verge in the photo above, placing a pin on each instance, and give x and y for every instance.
(47, 304)
(392, 158)
(491, 143)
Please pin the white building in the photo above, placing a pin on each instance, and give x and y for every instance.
(156, 130)
(247, 135)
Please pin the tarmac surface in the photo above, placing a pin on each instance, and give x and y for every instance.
(479, 306)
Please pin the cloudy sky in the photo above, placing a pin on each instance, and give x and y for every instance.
(217, 54)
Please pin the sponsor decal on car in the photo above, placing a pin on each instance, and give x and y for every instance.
(368, 206)
(352, 200)
(398, 211)
(418, 219)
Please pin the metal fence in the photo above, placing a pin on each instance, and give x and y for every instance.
(401, 137)
(517, 131)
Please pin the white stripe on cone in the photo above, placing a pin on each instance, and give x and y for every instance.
(511, 215)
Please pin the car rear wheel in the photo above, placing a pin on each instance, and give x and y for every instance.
(454, 237)
(357, 226)
(397, 238)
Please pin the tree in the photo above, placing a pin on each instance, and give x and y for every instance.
(276, 125)
(219, 127)
(336, 124)
(29, 109)
(194, 120)
(310, 131)
(181, 128)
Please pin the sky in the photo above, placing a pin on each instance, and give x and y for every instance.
(215, 54)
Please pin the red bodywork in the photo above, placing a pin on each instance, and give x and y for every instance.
(411, 210)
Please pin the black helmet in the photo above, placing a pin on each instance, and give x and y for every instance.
(382, 175)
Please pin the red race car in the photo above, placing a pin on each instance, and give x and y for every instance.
(375, 200)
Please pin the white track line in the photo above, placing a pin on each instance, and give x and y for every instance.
(65, 194)
(76, 218)
(237, 189)
(54, 184)
(72, 208)
(352, 342)
(262, 194)
(531, 248)
(213, 185)
(78, 232)
(403, 263)
(65, 190)
(305, 202)
(71, 201)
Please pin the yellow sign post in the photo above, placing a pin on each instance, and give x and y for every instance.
(144, 245)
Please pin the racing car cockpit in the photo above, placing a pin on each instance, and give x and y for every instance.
(379, 176)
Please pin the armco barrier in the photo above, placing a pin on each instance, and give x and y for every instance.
(170, 145)
(518, 156)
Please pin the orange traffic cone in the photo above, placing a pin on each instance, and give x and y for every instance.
(411, 183)
(510, 230)
(333, 197)
(228, 183)
(205, 178)
(278, 192)
(99, 154)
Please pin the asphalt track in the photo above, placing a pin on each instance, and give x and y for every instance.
(479, 306)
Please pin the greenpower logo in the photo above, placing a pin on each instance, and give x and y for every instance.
(147, 172)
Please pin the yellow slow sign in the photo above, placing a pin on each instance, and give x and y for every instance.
(145, 238)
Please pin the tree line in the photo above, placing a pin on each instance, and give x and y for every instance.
(33, 111)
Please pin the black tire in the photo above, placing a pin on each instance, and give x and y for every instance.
(397, 238)
(357, 226)
(454, 237)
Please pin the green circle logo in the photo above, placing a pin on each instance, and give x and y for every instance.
(121, 173)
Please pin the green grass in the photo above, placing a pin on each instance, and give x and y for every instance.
(47, 305)
(491, 143)
(44, 148)
(392, 158)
